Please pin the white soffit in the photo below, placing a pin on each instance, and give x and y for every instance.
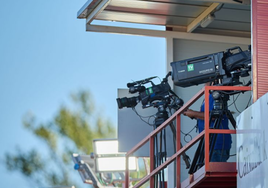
(232, 18)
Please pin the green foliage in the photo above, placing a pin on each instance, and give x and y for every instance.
(21, 161)
(70, 131)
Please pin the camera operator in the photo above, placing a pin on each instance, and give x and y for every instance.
(223, 142)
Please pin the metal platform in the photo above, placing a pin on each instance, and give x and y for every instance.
(219, 175)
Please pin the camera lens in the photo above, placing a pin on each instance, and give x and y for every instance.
(127, 102)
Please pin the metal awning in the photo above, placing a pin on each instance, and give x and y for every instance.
(221, 17)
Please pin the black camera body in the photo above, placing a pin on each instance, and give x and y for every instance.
(156, 92)
(147, 96)
(227, 66)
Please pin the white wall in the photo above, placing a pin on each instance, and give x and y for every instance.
(252, 163)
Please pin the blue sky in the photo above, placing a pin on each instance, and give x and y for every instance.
(46, 54)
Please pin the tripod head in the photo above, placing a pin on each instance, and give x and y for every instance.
(220, 106)
(220, 102)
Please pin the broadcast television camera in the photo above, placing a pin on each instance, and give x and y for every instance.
(150, 96)
(226, 67)
(159, 96)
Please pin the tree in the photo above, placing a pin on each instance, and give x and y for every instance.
(68, 132)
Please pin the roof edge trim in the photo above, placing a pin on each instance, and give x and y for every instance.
(97, 10)
(167, 34)
(82, 13)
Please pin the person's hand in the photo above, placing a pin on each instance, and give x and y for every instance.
(190, 113)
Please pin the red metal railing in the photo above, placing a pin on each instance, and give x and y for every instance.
(180, 150)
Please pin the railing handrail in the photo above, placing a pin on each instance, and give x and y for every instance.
(205, 90)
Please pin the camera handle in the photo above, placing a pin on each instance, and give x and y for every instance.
(233, 49)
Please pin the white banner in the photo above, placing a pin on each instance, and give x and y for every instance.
(252, 146)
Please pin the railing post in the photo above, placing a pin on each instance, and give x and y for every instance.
(152, 160)
(178, 144)
(127, 174)
(207, 128)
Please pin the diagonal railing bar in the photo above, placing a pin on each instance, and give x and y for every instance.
(171, 159)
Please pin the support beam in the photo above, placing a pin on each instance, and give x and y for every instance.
(169, 58)
(167, 34)
(194, 24)
(98, 9)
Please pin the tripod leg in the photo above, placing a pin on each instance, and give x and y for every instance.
(160, 158)
(165, 155)
(198, 160)
(231, 118)
(156, 161)
(196, 157)
(213, 137)
(165, 145)
(184, 156)
(217, 123)
(201, 161)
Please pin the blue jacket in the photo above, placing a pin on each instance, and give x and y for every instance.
(223, 141)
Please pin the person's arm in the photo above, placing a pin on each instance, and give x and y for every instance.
(197, 114)
(194, 114)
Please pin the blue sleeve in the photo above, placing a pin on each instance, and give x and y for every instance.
(211, 102)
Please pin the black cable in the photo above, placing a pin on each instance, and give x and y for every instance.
(248, 101)
(245, 107)
(236, 107)
(143, 117)
(188, 134)
(234, 100)
(172, 127)
(159, 78)
(185, 134)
